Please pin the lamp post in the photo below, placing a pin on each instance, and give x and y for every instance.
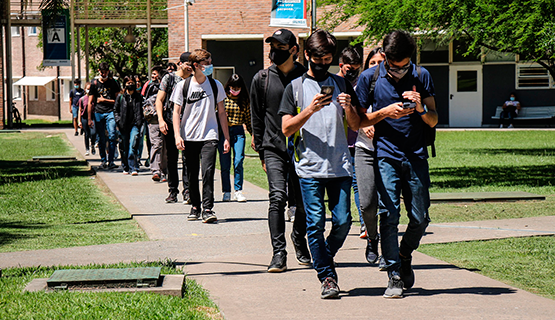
(186, 22)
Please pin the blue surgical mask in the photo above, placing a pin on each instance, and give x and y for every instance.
(76, 86)
(208, 70)
(512, 98)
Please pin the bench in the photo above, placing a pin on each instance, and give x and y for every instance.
(530, 113)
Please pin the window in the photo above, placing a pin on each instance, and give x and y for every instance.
(460, 47)
(533, 76)
(430, 52)
(15, 32)
(33, 93)
(67, 85)
(51, 91)
(33, 31)
(16, 93)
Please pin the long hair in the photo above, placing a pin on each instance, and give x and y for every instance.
(237, 81)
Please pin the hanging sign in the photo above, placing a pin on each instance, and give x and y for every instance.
(288, 14)
(55, 38)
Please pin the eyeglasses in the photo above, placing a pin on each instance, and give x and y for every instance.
(397, 69)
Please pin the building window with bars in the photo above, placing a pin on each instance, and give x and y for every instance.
(533, 77)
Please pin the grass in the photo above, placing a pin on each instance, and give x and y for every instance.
(476, 161)
(32, 122)
(526, 263)
(57, 204)
(15, 304)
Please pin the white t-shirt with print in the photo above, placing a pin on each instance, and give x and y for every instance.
(199, 122)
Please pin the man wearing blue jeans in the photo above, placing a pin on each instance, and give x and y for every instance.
(403, 96)
(322, 157)
(102, 95)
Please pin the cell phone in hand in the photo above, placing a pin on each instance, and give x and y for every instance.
(327, 90)
(409, 105)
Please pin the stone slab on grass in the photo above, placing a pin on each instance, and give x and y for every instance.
(483, 196)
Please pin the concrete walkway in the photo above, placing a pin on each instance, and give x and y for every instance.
(229, 259)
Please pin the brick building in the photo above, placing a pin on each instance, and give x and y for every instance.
(234, 33)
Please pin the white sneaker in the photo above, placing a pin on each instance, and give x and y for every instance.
(226, 197)
(501, 126)
(239, 196)
(87, 153)
(290, 213)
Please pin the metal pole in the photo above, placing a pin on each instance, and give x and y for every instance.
(72, 30)
(58, 95)
(186, 25)
(9, 80)
(87, 53)
(313, 24)
(149, 37)
(78, 53)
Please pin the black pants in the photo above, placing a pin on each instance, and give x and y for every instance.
(90, 133)
(201, 154)
(279, 168)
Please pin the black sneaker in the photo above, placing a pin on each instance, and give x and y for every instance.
(112, 166)
(372, 251)
(186, 197)
(301, 251)
(330, 289)
(279, 262)
(194, 215)
(172, 197)
(407, 274)
(208, 216)
(394, 287)
(381, 265)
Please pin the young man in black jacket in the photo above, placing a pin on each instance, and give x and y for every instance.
(270, 143)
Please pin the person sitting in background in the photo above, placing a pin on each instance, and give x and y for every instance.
(510, 111)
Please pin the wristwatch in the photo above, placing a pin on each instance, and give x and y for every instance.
(425, 110)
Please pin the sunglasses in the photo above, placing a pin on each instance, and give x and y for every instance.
(397, 69)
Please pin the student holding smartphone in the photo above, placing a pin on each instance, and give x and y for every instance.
(313, 110)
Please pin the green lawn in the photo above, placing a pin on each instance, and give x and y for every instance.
(15, 304)
(526, 263)
(55, 205)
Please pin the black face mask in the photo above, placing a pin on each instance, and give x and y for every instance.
(319, 70)
(351, 74)
(131, 87)
(279, 56)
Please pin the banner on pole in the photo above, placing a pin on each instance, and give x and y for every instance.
(288, 14)
(55, 38)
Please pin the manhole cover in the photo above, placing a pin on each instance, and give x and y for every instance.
(128, 277)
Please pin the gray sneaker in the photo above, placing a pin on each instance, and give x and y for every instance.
(208, 216)
(330, 289)
(394, 287)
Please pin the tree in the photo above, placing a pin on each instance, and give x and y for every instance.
(107, 45)
(524, 27)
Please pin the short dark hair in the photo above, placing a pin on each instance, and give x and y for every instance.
(350, 55)
(398, 45)
(320, 43)
(126, 79)
(104, 66)
(77, 81)
(172, 66)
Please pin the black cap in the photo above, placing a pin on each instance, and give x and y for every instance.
(184, 57)
(283, 36)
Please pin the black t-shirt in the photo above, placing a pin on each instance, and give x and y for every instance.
(108, 89)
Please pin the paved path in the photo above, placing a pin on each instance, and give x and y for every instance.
(230, 260)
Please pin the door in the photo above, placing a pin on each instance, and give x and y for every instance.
(465, 94)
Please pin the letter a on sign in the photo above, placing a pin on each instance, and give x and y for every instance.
(56, 35)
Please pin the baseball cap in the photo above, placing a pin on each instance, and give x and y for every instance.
(184, 57)
(283, 36)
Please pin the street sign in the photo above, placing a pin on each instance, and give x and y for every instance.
(55, 40)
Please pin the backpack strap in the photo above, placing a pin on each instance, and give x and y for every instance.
(265, 80)
(298, 96)
(186, 85)
(214, 90)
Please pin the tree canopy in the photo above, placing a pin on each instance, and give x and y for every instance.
(524, 27)
(107, 45)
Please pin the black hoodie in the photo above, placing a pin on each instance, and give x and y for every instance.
(128, 111)
(266, 123)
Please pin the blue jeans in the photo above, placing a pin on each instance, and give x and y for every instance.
(355, 187)
(412, 179)
(103, 122)
(339, 203)
(129, 146)
(237, 142)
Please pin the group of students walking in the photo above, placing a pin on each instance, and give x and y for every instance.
(317, 134)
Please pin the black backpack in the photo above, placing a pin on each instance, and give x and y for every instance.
(429, 133)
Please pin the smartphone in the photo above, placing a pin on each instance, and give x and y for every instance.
(409, 105)
(327, 90)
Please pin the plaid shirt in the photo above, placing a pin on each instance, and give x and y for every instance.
(236, 117)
